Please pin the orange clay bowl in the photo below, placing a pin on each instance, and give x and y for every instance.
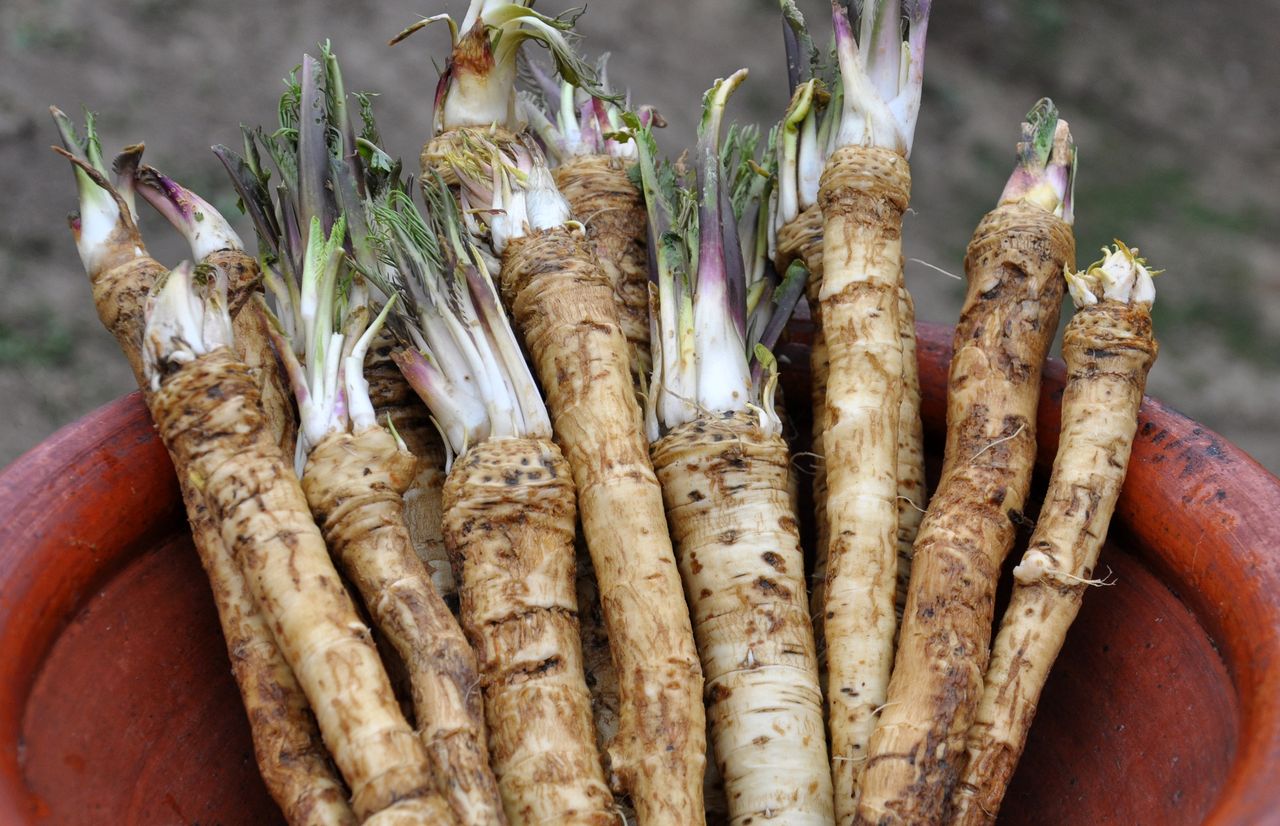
(117, 704)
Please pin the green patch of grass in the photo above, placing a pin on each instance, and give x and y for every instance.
(1111, 203)
(38, 34)
(156, 10)
(1118, 198)
(42, 340)
(1046, 21)
(1218, 311)
(1248, 219)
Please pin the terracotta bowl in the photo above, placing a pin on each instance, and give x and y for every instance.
(117, 703)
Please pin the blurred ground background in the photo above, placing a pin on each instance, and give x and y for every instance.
(1178, 126)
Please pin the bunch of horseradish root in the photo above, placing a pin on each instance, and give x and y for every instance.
(393, 419)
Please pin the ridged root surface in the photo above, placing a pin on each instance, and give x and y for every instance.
(509, 524)
(291, 756)
(393, 398)
(1014, 267)
(802, 239)
(1108, 348)
(437, 151)
(725, 483)
(602, 196)
(209, 416)
(564, 310)
(863, 193)
(354, 483)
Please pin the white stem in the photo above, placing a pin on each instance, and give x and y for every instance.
(906, 106)
(569, 120)
(444, 349)
(504, 415)
(359, 407)
(474, 11)
(810, 162)
(183, 322)
(99, 217)
(547, 208)
(724, 380)
(549, 132)
(480, 100)
(514, 367)
(653, 430)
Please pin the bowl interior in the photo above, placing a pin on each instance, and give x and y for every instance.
(134, 717)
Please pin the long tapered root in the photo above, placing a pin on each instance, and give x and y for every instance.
(208, 414)
(802, 238)
(564, 310)
(863, 194)
(354, 483)
(1015, 267)
(295, 766)
(291, 757)
(726, 490)
(509, 523)
(603, 198)
(1109, 349)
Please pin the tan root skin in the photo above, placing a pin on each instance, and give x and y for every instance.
(912, 497)
(1014, 265)
(244, 278)
(253, 343)
(120, 295)
(597, 661)
(564, 310)
(863, 194)
(725, 483)
(603, 198)
(602, 680)
(802, 239)
(209, 416)
(423, 511)
(291, 756)
(1108, 348)
(354, 484)
(509, 525)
